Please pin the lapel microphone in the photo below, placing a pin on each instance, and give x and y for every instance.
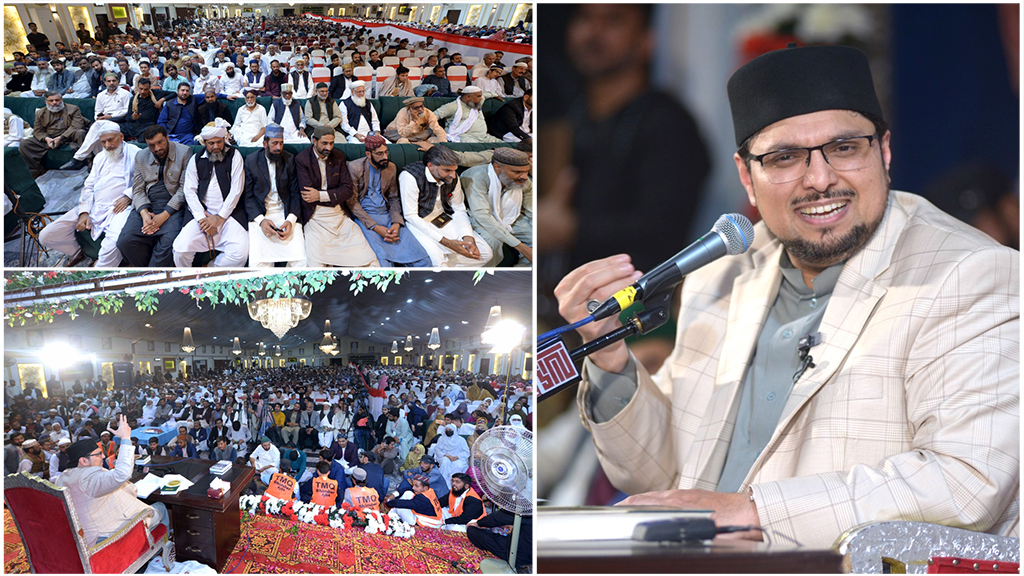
(804, 353)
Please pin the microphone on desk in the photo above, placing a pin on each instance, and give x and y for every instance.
(676, 530)
(732, 234)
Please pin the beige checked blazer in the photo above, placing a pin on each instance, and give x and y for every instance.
(911, 413)
(104, 499)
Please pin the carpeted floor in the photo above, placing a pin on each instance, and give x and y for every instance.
(267, 547)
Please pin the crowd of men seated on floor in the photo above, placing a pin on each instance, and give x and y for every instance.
(317, 209)
(413, 457)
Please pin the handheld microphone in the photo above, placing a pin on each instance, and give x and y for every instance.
(732, 234)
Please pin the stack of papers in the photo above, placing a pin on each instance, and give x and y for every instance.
(220, 467)
(151, 483)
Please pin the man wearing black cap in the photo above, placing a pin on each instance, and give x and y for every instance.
(500, 200)
(821, 380)
(105, 499)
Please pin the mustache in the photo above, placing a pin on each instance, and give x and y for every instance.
(826, 195)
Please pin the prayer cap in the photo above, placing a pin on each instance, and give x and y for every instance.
(33, 442)
(411, 101)
(471, 90)
(322, 131)
(264, 439)
(795, 81)
(519, 65)
(216, 129)
(359, 474)
(374, 141)
(274, 131)
(79, 449)
(287, 88)
(511, 157)
(358, 84)
(320, 85)
(63, 441)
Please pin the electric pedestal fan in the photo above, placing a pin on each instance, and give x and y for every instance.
(502, 464)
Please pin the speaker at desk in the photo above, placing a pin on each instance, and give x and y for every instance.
(122, 375)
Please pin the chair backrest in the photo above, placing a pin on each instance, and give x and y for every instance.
(385, 72)
(478, 72)
(317, 53)
(321, 75)
(364, 48)
(415, 76)
(391, 61)
(470, 60)
(457, 76)
(317, 62)
(364, 73)
(421, 54)
(403, 53)
(411, 62)
(46, 525)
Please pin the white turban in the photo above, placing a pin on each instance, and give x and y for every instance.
(471, 90)
(358, 84)
(216, 129)
(104, 126)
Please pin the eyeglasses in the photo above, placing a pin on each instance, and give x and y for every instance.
(842, 154)
(95, 454)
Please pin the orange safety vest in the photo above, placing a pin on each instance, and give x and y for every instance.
(363, 497)
(437, 519)
(110, 455)
(325, 491)
(455, 504)
(281, 486)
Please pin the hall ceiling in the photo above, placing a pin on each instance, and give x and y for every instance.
(420, 302)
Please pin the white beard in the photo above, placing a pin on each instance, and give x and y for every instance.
(287, 101)
(115, 154)
(359, 101)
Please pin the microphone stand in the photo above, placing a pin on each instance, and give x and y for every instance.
(653, 316)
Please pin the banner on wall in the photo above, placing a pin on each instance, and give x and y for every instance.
(453, 42)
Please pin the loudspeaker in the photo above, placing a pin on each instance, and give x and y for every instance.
(122, 375)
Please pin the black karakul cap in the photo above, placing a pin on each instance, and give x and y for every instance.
(794, 81)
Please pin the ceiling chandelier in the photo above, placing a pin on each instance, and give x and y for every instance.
(263, 349)
(327, 344)
(237, 349)
(279, 315)
(334, 350)
(394, 347)
(435, 340)
(187, 345)
(408, 343)
(277, 349)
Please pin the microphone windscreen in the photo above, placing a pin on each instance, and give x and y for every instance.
(737, 231)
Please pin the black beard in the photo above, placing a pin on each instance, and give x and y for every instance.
(230, 74)
(459, 492)
(830, 250)
(380, 165)
(275, 158)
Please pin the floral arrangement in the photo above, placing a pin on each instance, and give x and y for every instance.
(347, 516)
(236, 291)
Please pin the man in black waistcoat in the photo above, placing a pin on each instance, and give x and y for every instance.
(215, 219)
(181, 117)
(272, 204)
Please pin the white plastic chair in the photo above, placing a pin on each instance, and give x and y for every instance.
(457, 76)
(391, 61)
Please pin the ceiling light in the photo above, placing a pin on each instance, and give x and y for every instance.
(408, 343)
(464, 322)
(388, 318)
(435, 339)
(428, 280)
(409, 301)
(187, 345)
(148, 325)
(279, 315)
(237, 348)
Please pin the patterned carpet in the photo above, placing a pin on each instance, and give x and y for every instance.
(272, 549)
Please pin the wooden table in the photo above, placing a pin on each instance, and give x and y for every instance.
(205, 530)
(719, 556)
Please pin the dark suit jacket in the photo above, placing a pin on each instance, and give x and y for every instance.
(257, 185)
(358, 170)
(339, 184)
(336, 89)
(507, 119)
(220, 110)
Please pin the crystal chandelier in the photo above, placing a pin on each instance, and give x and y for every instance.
(435, 339)
(263, 349)
(394, 347)
(277, 350)
(187, 345)
(327, 344)
(237, 348)
(408, 343)
(334, 349)
(279, 315)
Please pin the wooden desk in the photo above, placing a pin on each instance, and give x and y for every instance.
(205, 530)
(720, 556)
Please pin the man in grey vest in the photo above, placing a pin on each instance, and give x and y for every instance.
(213, 190)
(157, 198)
